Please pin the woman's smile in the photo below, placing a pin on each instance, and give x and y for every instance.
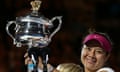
(90, 60)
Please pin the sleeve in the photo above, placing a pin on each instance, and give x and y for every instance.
(105, 69)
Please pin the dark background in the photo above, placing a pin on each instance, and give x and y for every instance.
(78, 16)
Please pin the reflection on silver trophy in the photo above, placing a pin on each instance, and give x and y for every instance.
(33, 29)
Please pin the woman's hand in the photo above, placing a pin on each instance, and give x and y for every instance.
(28, 60)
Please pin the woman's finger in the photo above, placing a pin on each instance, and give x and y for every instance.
(28, 61)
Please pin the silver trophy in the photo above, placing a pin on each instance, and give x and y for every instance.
(33, 30)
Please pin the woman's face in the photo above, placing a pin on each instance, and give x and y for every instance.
(93, 56)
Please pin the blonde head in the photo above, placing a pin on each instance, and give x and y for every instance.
(69, 67)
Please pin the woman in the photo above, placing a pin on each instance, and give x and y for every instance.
(95, 51)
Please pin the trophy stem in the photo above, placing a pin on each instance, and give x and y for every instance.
(44, 65)
(34, 53)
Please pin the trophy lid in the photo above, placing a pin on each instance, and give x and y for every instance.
(35, 16)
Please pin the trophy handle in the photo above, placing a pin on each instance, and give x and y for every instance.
(8, 32)
(58, 28)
